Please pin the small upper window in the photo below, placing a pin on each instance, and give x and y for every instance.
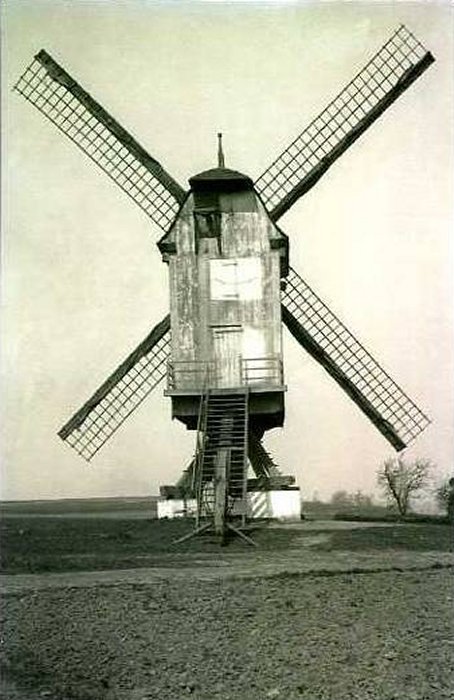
(207, 224)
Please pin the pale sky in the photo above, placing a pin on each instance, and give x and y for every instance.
(83, 281)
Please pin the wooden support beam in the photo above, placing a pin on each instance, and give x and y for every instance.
(220, 490)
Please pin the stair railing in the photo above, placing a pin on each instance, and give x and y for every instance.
(245, 455)
(197, 476)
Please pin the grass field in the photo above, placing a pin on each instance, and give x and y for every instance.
(71, 506)
(33, 545)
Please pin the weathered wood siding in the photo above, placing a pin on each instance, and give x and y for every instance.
(198, 305)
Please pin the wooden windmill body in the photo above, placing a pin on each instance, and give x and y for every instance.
(226, 261)
(231, 286)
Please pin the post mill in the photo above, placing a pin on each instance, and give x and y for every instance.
(231, 287)
(226, 259)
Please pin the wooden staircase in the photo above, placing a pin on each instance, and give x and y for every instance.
(221, 459)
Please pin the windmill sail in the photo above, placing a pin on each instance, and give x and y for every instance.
(387, 75)
(121, 393)
(321, 333)
(65, 103)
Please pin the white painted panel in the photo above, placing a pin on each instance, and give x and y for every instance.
(236, 278)
(253, 342)
(279, 504)
(286, 505)
(177, 508)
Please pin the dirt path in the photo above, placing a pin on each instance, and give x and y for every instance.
(208, 568)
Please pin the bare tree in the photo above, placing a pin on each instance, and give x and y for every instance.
(400, 480)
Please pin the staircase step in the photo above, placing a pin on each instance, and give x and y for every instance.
(226, 401)
(227, 407)
(226, 398)
(224, 416)
(227, 440)
(213, 451)
(224, 435)
(227, 419)
(217, 429)
(227, 411)
(216, 434)
(226, 395)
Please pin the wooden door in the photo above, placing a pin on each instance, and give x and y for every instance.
(227, 356)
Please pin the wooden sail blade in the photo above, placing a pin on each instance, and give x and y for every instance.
(323, 335)
(67, 105)
(93, 424)
(387, 75)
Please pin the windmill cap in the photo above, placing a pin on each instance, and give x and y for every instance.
(220, 179)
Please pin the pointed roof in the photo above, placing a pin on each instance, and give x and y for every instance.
(222, 179)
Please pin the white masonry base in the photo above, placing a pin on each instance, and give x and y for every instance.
(281, 504)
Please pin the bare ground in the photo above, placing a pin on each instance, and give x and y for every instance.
(293, 624)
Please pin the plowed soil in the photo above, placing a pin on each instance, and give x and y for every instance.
(375, 625)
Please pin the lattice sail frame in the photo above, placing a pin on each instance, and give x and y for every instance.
(121, 394)
(326, 338)
(391, 71)
(67, 105)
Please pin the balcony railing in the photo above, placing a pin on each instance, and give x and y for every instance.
(262, 370)
(198, 375)
(190, 374)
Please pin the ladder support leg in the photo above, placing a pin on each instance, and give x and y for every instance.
(193, 533)
(238, 532)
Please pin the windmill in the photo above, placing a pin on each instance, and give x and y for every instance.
(231, 287)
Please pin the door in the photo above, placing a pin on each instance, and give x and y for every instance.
(227, 342)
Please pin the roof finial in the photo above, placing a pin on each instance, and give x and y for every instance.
(221, 161)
